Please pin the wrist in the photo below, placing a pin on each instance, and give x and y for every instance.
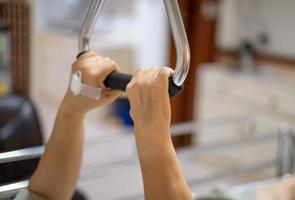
(155, 124)
(156, 153)
(69, 110)
(74, 104)
(154, 133)
(153, 143)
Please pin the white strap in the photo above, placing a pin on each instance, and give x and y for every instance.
(79, 88)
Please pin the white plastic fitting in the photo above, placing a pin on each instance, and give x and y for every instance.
(78, 88)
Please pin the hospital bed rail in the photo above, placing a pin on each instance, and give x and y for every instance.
(176, 130)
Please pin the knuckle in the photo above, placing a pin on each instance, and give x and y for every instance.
(139, 83)
(109, 65)
(163, 72)
(117, 68)
(169, 70)
(134, 85)
(113, 66)
(129, 88)
(162, 77)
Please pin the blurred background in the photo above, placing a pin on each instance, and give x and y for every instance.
(232, 125)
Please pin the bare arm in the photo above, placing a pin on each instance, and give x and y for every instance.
(58, 170)
(150, 110)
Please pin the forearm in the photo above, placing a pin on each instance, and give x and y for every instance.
(161, 172)
(58, 169)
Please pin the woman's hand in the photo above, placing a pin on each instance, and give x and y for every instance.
(149, 97)
(151, 113)
(94, 70)
(59, 168)
(150, 109)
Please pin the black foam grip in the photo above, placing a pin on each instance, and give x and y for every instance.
(119, 81)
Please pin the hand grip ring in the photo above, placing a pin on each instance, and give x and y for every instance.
(120, 81)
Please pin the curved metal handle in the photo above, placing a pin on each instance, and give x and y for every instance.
(179, 36)
(180, 40)
(88, 24)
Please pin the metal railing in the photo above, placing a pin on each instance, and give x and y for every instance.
(284, 161)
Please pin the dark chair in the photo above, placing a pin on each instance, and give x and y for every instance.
(19, 128)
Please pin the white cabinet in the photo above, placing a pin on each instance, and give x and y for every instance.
(267, 97)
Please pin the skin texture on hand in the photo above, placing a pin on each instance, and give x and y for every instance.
(59, 168)
(151, 113)
(147, 93)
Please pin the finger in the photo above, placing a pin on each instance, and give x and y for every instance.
(163, 75)
(140, 74)
(149, 76)
(87, 63)
(155, 74)
(168, 69)
(105, 69)
(116, 66)
(165, 71)
(95, 70)
(111, 95)
(130, 89)
(114, 63)
(135, 77)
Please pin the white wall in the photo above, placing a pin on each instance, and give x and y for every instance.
(152, 33)
(247, 18)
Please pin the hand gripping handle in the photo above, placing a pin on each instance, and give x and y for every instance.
(119, 81)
